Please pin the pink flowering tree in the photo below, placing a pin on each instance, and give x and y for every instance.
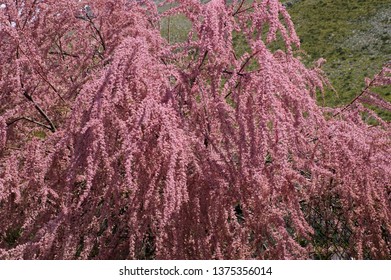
(117, 143)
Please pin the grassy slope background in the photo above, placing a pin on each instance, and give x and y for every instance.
(354, 36)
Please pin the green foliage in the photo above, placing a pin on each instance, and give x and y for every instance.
(12, 235)
(39, 134)
(177, 27)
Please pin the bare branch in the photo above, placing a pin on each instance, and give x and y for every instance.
(97, 31)
(51, 126)
(203, 59)
(238, 9)
(64, 53)
(29, 120)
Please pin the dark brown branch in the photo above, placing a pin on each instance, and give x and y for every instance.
(237, 73)
(97, 31)
(236, 58)
(29, 120)
(238, 9)
(40, 74)
(240, 71)
(64, 53)
(245, 10)
(51, 126)
(29, 14)
(164, 62)
(203, 59)
(247, 60)
(51, 86)
(60, 47)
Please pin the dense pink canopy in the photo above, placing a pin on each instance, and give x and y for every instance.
(117, 143)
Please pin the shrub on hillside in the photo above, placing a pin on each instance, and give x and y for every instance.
(117, 144)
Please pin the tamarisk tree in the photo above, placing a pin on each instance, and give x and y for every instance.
(117, 143)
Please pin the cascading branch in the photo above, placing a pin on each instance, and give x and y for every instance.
(117, 144)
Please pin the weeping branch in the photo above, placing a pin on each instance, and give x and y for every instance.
(362, 92)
